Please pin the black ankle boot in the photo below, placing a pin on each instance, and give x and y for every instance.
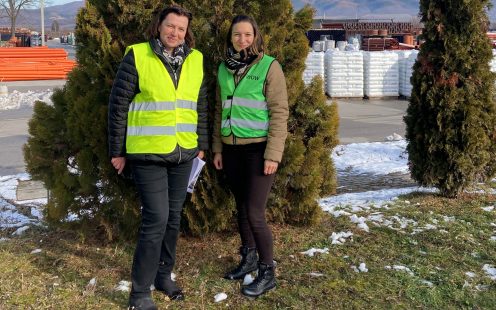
(264, 281)
(165, 285)
(248, 264)
(141, 303)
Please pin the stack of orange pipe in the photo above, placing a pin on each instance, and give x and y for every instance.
(34, 63)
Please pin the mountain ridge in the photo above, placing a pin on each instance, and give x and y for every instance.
(65, 14)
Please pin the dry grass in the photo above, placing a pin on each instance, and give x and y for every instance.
(58, 277)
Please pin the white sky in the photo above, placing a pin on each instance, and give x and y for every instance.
(364, 210)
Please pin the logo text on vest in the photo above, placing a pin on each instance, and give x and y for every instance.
(253, 77)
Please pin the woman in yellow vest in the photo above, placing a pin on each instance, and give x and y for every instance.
(250, 130)
(157, 126)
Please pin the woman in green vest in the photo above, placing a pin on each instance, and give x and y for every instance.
(157, 126)
(250, 130)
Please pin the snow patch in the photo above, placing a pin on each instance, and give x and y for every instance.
(312, 251)
(220, 297)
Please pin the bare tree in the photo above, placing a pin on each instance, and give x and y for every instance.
(12, 8)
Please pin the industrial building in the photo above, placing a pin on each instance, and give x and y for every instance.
(373, 33)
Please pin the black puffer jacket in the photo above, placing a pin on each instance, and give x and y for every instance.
(124, 89)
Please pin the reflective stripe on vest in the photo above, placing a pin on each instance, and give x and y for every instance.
(161, 116)
(244, 107)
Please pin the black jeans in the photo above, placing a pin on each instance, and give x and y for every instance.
(244, 165)
(162, 190)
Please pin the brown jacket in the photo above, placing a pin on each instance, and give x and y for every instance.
(277, 101)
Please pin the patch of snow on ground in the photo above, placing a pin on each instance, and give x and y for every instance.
(248, 279)
(123, 286)
(10, 217)
(340, 237)
(367, 199)
(312, 251)
(16, 100)
(220, 297)
(401, 268)
(490, 271)
(316, 274)
(373, 158)
(20, 231)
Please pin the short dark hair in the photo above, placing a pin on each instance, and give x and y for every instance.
(152, 32)
(257, 46)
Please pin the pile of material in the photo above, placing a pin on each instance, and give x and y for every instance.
(344, 74)
(381, 74)
(314, 65)
(379, 44)
(34, 63)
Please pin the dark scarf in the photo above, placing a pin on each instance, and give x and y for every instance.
(236, 63)
(177, 57)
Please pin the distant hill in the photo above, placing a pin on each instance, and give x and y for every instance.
(353, 8)
(360, 8)
(66, 14)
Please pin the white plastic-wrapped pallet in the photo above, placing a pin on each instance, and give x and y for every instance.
(493, 62)
(402, 59)
(410, 61)
(381, 74)
(344, 73)
(314, 65)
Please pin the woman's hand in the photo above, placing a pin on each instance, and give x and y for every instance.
(270, 167)
(201, 154)
(118, 163)
(218, 161)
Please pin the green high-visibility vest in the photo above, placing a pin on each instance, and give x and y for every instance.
(161, 116)
(244, 106)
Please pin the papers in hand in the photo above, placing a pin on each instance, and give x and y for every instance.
(195, 172)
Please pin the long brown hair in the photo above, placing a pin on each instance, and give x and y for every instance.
(257, 46)
(152, 32)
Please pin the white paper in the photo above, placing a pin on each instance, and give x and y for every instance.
(195, 172)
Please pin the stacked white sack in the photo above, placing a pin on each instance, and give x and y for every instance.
(402, 58)
(381, 72)
(493, 62)
(314, 65)
(344, 73)
(407, 91)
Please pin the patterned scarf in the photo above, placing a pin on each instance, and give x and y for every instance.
(236, 63)
(177, 57)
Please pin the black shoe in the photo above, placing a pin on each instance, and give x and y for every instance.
(264, 281)
(141, 303)
(167, 286)
(248, 264)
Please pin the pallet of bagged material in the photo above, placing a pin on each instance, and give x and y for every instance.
(381, 97)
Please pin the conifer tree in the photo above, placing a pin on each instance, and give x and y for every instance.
(67, 148)
(307, 171)
(451, 116)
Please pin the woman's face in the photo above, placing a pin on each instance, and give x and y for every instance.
(242, 36)
(173, 30)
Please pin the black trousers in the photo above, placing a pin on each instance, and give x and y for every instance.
(162, 190)
(244, 165)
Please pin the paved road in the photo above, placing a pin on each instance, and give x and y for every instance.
(370, 120)
(14, 127)
(360, 121)
(71, 50)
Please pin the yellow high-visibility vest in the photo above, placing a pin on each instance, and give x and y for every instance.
(161, 116)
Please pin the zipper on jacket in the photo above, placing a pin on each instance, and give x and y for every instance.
(176, 82)
(180, 154)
